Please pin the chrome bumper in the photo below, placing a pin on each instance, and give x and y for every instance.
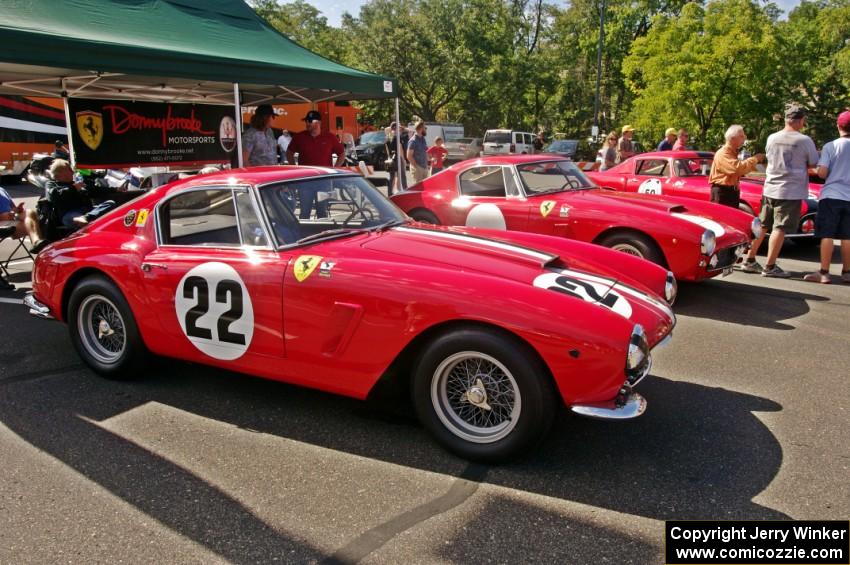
(37, 309)
(632, 406)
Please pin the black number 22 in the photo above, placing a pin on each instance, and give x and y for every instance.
(223, 290)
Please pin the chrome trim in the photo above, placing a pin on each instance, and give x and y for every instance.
(636, 371)
(630, 406)
(37, 309)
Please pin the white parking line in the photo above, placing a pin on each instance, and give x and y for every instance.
(19, 261)
(11, 301)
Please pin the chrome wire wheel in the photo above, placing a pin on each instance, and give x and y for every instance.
(476, 397)
(101, 328)
(628, 248)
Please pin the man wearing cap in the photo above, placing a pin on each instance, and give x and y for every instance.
(259, 147)
(727, 169)
(625, 147)
(669, 138)
(786, 185)
(833, 219)
(314, 148)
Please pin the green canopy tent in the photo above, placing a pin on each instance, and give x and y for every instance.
(203, 51)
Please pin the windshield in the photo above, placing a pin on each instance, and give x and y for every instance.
(691, 167)
(310, 207)
(563, 146)
(552, 176)
(497, 137)
(373, 137)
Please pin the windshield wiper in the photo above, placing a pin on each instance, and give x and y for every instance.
(549, 191)
(329, 234)
(388, 224)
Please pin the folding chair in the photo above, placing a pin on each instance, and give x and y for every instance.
(19, 251)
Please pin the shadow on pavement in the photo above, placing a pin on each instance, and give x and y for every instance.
(744, 304)
(698, 452)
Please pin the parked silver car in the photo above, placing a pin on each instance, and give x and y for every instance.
(463, 148)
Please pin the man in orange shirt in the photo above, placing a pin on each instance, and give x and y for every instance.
(727, 169)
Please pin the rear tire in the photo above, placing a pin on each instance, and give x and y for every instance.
(635, 244)
(483, 395)
(104, 331)
(744, 207)
(425, 216)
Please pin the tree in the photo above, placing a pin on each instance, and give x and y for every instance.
(706, 69)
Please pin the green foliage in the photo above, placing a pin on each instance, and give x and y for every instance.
(529, 64)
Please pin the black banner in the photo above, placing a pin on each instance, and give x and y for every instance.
(757, 542)
(111, 134)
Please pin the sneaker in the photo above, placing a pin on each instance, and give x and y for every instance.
(817, 277)
(38, 246)
(749, 267)
(845, 276)
(6, 285)
(775, 272)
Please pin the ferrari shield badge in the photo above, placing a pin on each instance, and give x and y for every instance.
(305, 265)
(142, 218)
(546, 207)
(90, 128)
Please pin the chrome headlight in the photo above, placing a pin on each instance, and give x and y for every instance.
(638, 360)
(671, 288)
(708, 242)
(756, 227)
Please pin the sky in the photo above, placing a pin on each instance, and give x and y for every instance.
(333, 9)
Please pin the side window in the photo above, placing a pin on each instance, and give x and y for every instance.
(482, 181)
(653, 167)
(518, 138)
(249, 224)
(529, 139)
(200, 217)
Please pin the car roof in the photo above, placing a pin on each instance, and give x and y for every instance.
(257, 175)
(689, 154)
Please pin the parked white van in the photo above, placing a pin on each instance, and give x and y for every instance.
(506, 141)
(449, 132)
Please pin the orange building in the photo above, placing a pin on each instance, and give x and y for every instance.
(28, 125)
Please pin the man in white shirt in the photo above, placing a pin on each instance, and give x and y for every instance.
(833, 219)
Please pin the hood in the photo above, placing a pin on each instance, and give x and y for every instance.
(455, 249)
(367, 146)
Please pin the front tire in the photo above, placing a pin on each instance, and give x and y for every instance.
(483, 395)
(635, 244)
(425, 216)
(103, 329)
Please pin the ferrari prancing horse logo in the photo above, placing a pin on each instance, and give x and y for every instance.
(546, 207)
(305, 265)
(90, 128)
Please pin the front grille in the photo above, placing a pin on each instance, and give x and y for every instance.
(725, 258)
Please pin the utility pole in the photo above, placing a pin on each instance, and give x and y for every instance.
(595, 130)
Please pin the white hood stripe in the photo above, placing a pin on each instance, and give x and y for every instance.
(538, 255)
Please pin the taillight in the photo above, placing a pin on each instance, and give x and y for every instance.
(513, 148)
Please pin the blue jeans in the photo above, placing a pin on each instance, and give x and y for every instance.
(90, 216)
(308, 196)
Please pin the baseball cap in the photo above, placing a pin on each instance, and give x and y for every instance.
(843, 120)
(794, 112)
(628, 128)
(671, 131)
(312, 116)
(264, 110)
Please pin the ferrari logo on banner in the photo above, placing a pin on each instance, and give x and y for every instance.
(90, 128)
(546, 207)
(305, 265)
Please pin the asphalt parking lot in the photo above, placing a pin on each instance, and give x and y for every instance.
(749, 415)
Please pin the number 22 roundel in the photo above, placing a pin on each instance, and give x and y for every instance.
(215, 311)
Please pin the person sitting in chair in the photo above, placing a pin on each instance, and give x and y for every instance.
(25, 221)
(72, 205)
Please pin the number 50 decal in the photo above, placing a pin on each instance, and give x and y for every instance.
(215, 311)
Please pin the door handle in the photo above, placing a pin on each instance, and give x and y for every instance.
(146, 267)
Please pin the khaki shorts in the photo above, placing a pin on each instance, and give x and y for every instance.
(779, 214)
(419, 173)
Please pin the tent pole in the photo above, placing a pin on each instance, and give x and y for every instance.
(237, 107)
(68, 125)
(399, 155)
